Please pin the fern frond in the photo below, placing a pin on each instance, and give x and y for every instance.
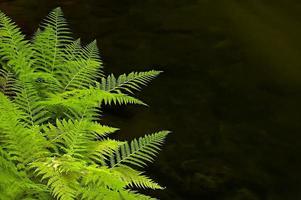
(80, 74)
(100, 130)
(70, 137)
(109, 98)
(7, 82)
(100, 151)
(136, 179)
(76, 138)
(102, 176)
(49, 42)
(91, 52)
(45, 48)
(82, 66)
(128, 83)
(9, 111)
(80, 101)
(14, 49)
(56, 21)
(73, 51)
(140, 151)
(14, 184)
(24, 144)
(61, 180)
(27, 100)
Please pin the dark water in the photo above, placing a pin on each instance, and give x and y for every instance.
(230, 92)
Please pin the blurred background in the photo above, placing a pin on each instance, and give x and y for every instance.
(230, 91)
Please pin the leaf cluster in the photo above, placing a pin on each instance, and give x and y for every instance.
(52, 89)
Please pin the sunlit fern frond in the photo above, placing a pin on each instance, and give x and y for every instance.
(101, 150)
(73, 51)
(71, 137)
(100, 183)
(77, 138)
(56, 21)
(79, 101)
(81, 74)
(50, 41)
(140, 151)
(61, 181)
(27, 100)
(128, 83)
(24, 144)
(136, 179)
(101, 176)
(15, 50)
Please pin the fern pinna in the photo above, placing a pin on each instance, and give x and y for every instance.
(52, 144)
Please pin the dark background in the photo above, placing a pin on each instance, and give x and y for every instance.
(230, 91)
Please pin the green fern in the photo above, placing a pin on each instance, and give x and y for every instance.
(85, 68)
(140, 151)
(135, 178)
(49, 43)
(128, 83)
(7, 82)
(52, 90)
(15, 51)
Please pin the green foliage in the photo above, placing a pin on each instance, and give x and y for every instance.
(138, 151)
(52, 90)
(129, 82)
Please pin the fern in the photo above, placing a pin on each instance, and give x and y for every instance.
(135, 178)
(72, 101)
(50, 41)
(52, 91)
(85, 70)
(128, 83)
(140, 151)
(14, 49)
(60, 180)
(27, 100)
(7, 81)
